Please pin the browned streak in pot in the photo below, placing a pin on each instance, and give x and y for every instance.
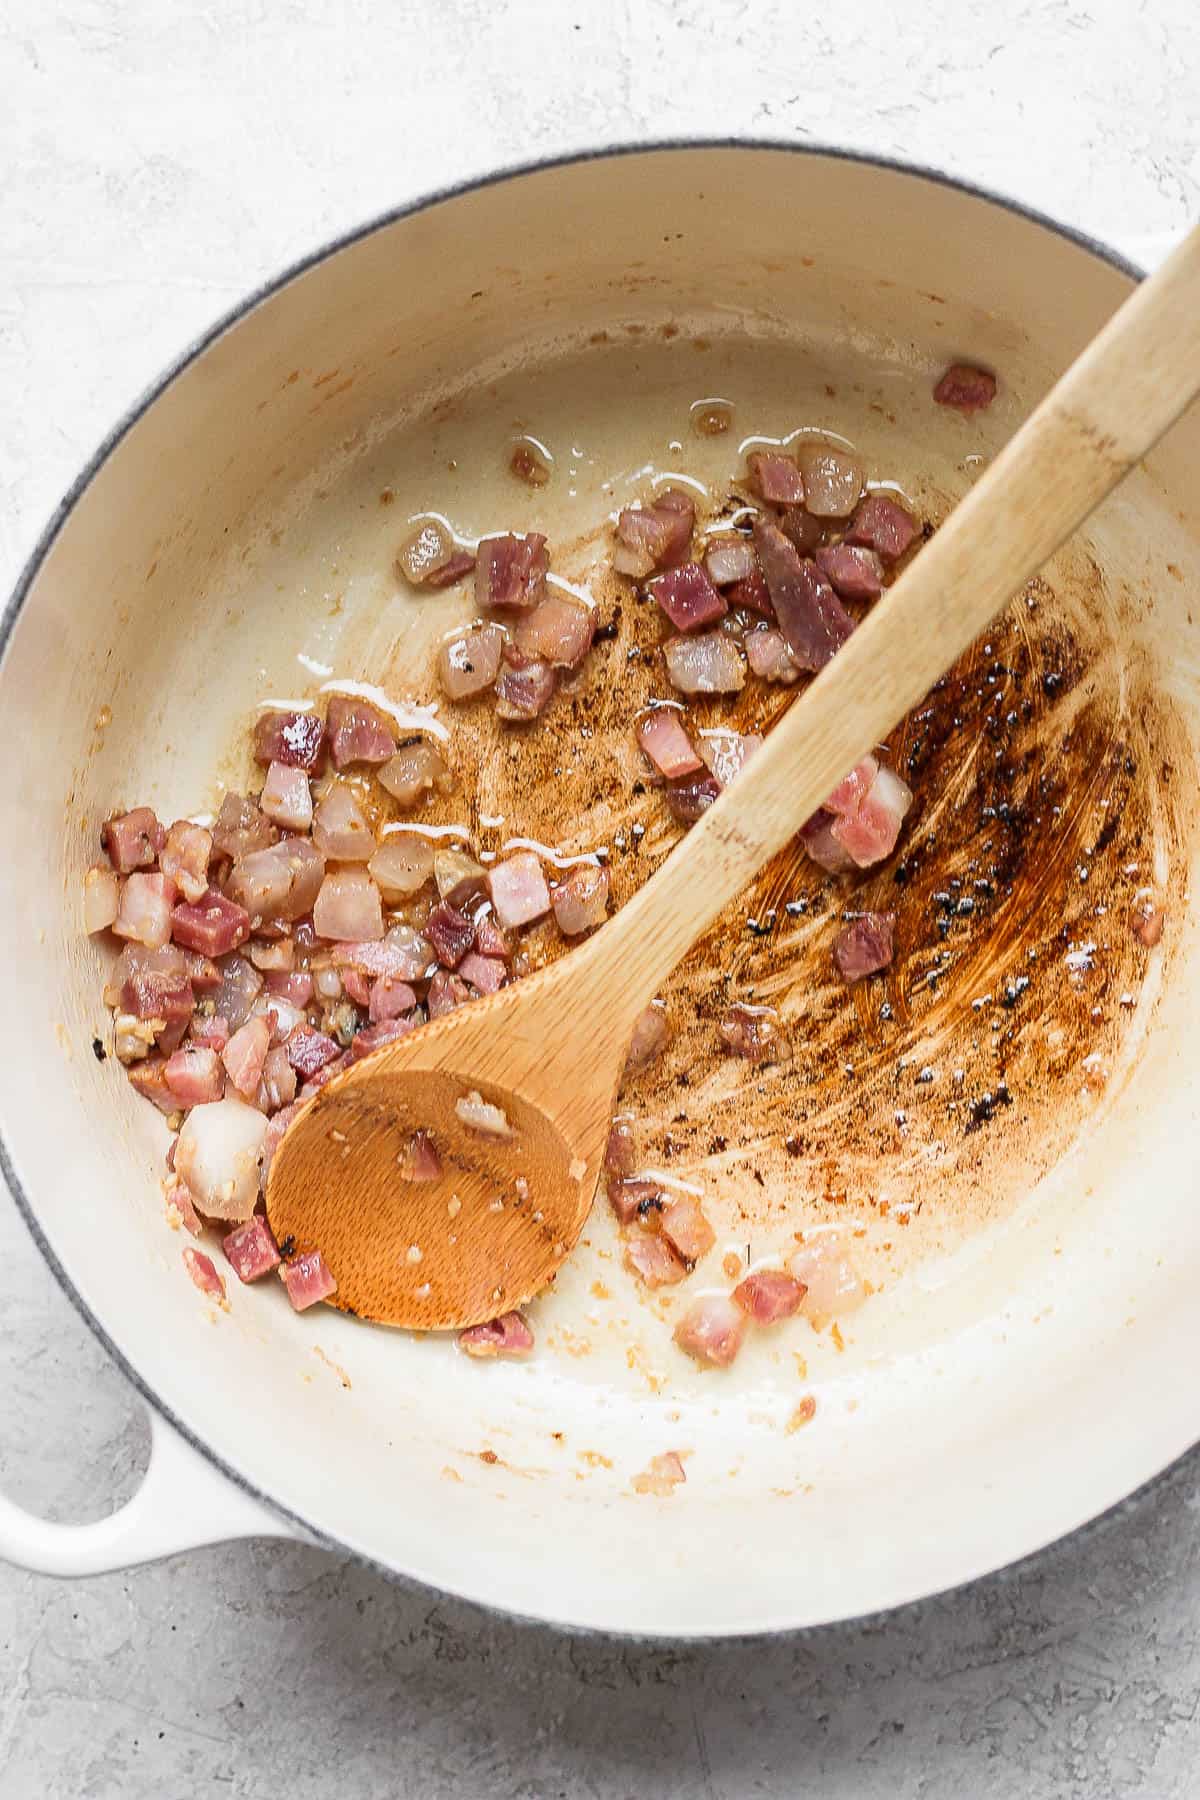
(935, 1096)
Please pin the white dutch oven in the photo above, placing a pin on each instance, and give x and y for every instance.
(983, 1408)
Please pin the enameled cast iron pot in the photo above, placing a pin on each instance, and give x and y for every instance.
(985, 1407)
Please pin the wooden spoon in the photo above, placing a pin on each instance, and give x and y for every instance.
(549, 1051)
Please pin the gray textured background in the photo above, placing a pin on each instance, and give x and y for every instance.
(160, 157)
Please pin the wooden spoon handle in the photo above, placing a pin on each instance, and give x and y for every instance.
(1107, 411)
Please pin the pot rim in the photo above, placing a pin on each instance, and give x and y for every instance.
(32, 567)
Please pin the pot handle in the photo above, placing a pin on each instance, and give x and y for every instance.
(183, 1503)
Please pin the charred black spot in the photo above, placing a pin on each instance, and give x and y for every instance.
(1106, 834)
(983, 1110)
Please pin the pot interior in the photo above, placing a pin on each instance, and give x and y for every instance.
(1000, 1124)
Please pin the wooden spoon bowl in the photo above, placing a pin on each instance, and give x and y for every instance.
(480, 1239)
